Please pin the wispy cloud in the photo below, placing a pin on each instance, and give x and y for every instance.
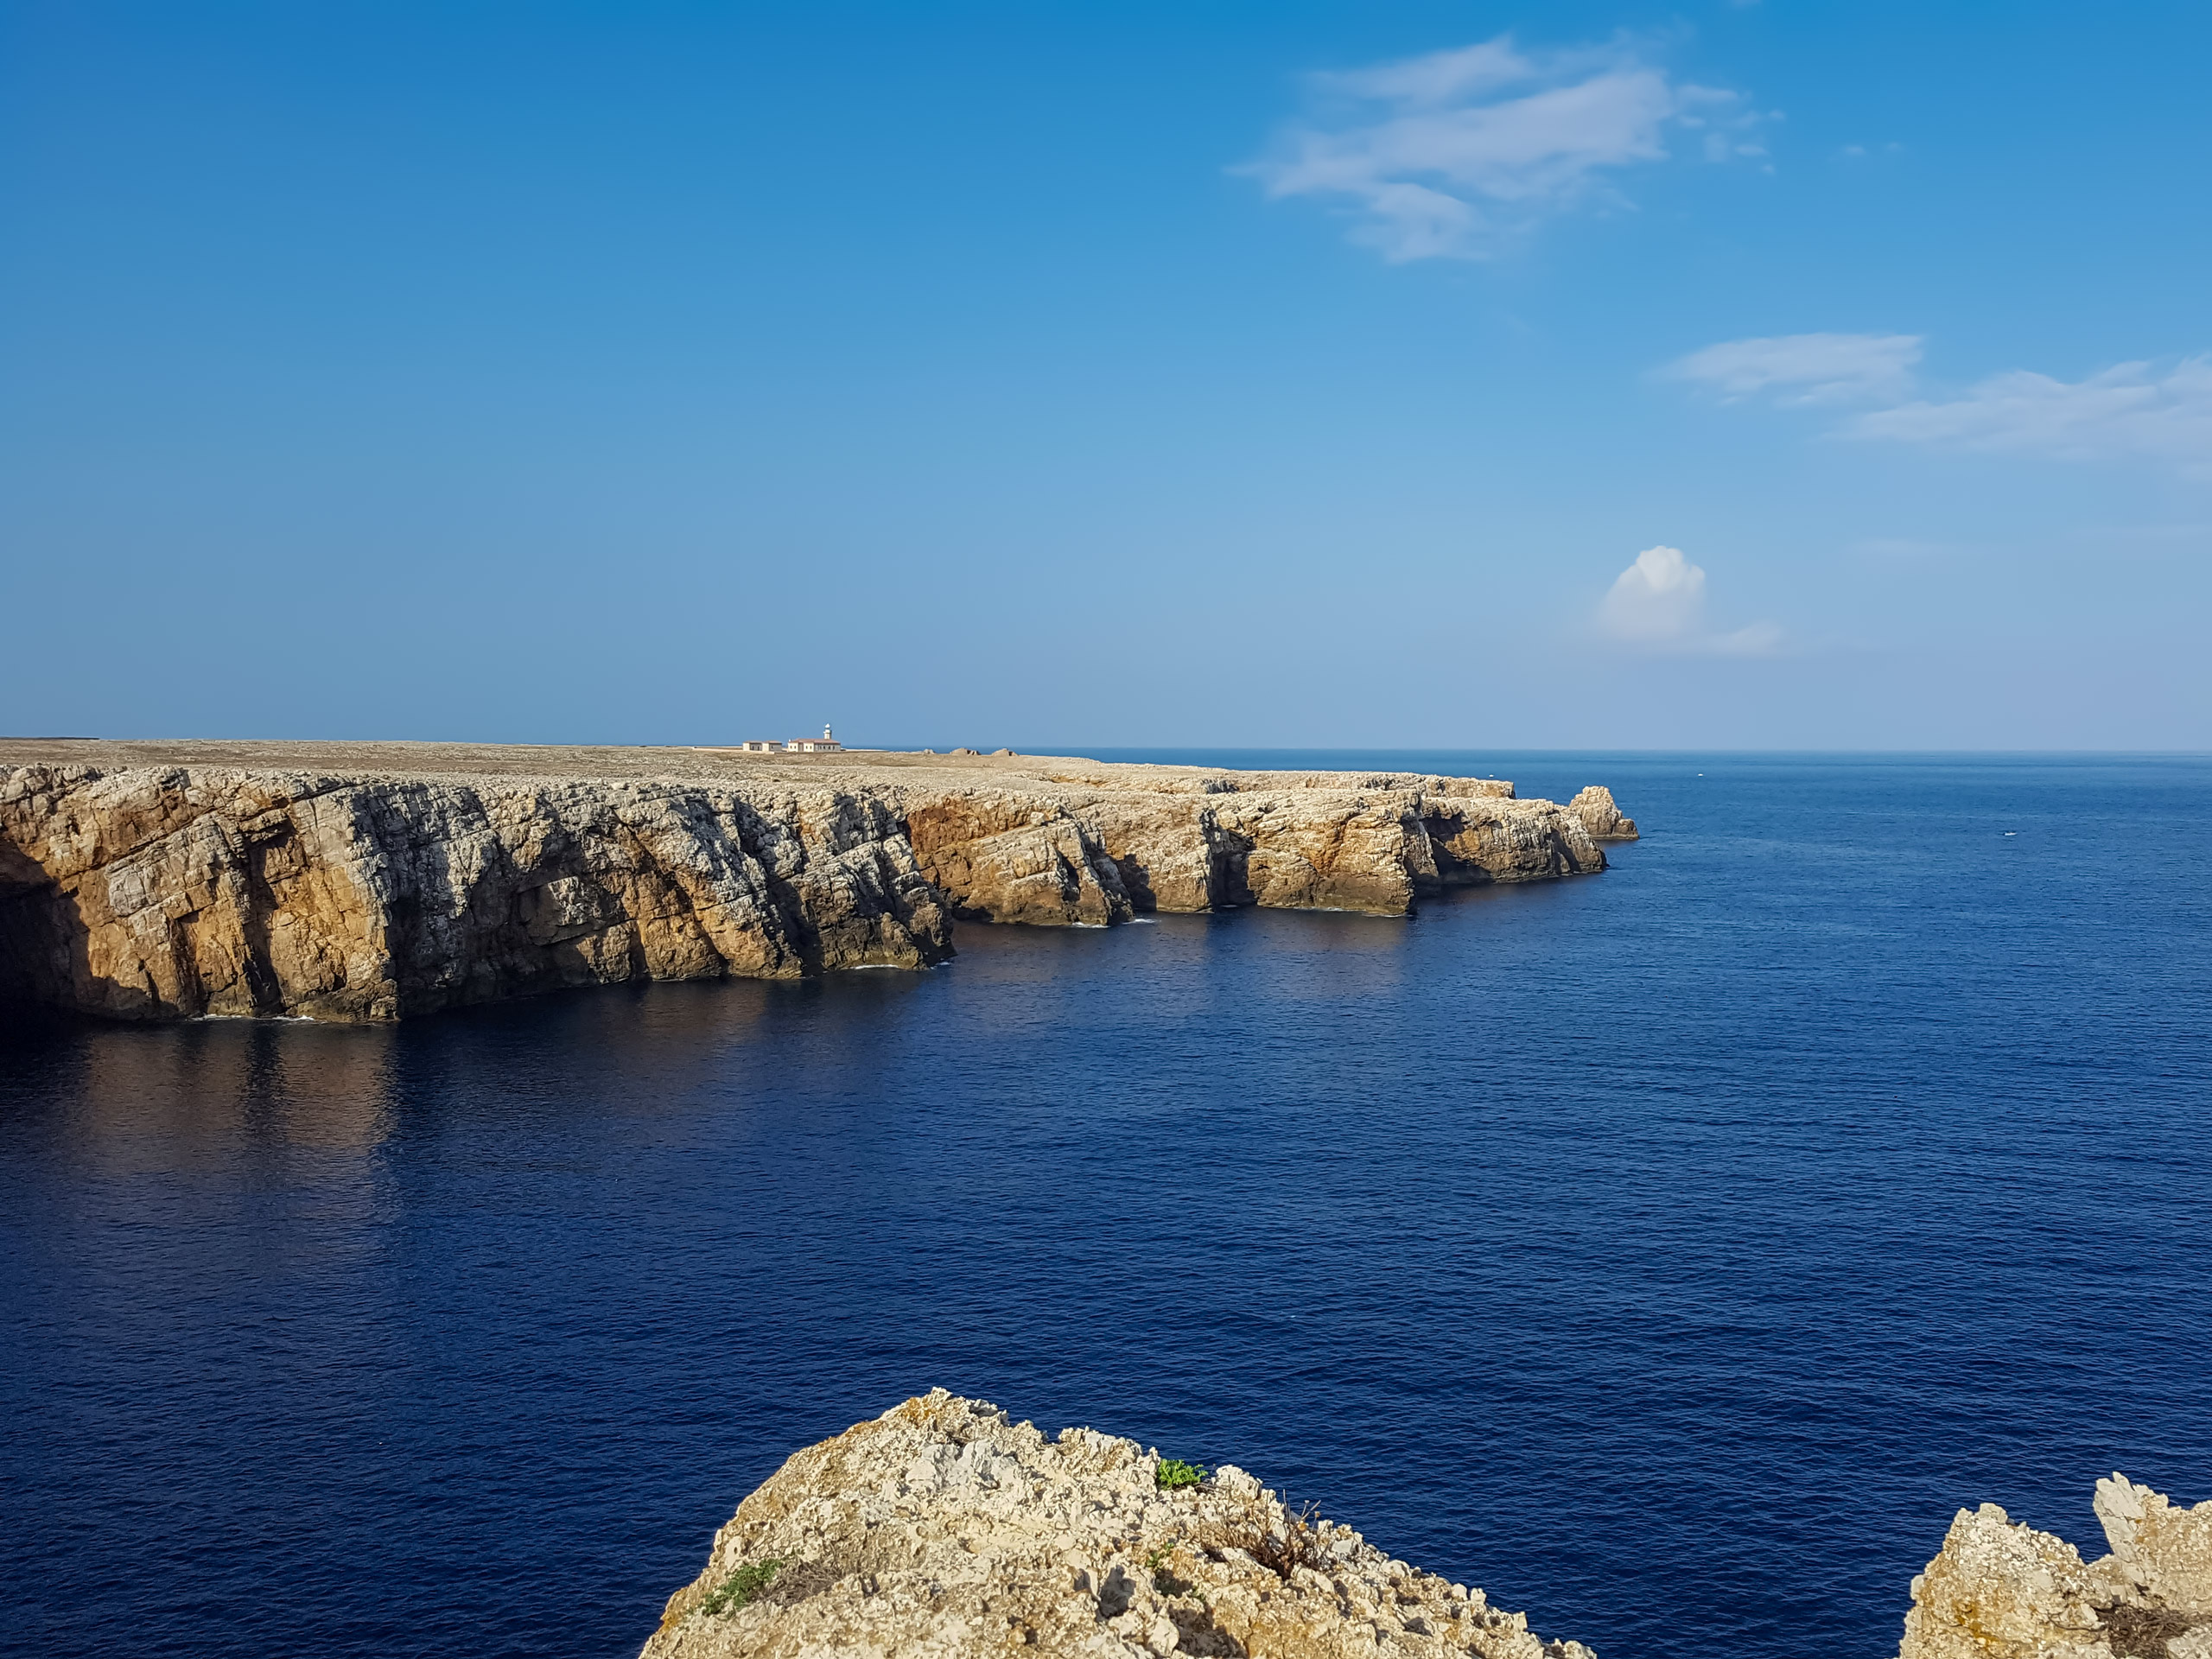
(2129, 411)
(1658, 603)
(1806, 368)
(1455, 154)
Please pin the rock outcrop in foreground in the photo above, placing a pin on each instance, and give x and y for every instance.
(2005, 1590)
(370, 881)
(942, 1529)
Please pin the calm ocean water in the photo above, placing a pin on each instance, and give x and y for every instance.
(1668, 1252)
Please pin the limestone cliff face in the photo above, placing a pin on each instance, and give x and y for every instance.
(942, 1529)
(168, 893)
(372, 881)
(1098, 844)
(1600, 817)
(1999, 1590)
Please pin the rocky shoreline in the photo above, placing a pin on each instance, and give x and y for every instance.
(944, 1528)
(365, 882)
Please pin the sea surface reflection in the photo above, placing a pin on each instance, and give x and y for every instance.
(1668, 1252)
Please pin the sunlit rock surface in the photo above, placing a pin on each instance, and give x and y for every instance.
(942, 1529)
(370, 881)
(2000, 1590)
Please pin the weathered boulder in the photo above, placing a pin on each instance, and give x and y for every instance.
(942, 1529)
(2001, 1590)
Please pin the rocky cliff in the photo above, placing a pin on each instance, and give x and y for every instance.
(370, 881)
(942, 1529)
(1999, 1590)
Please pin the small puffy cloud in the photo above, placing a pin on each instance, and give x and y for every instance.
(1805, 368)
(1658, 603)
(2129, 410)
(1659, 597)
(1453, 155)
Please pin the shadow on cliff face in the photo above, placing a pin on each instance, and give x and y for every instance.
(43, 943)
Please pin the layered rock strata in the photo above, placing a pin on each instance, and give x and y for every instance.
(942, 1529)
(372, 882)
(2000, 1590)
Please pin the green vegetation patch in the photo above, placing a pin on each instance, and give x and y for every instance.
(741, 1588)
(1173, 1472)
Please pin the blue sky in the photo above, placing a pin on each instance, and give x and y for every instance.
(1441, 375)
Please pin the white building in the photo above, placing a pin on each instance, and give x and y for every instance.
(825, 744)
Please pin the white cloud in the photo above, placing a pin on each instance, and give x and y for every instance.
(1453, 154)
(2132, 410)
(1806, 368)
(2129, 410)
(1658, 603)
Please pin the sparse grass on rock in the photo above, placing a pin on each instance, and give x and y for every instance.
(741, 1588)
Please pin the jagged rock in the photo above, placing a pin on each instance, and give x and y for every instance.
(1600, 817)
(2164, 1552)
(942, 1529)
(2001, 1590)
(369, 882)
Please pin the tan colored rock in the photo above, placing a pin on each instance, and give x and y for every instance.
(942, 1529)
(1999, 1590)
(1002, 857)
(2165, 1551)
(1600, 817)
(2002, 1591)
(1185, 839)
(152, 893)
(368, 882)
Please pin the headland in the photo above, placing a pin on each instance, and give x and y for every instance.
(370, 881)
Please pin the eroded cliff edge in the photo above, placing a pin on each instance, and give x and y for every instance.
(367, 882)
(941, 1528)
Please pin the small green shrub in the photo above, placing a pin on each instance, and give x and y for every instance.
(741, 1588)
(1173, 1472)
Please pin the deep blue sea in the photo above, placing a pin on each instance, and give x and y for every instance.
(1668, 1251)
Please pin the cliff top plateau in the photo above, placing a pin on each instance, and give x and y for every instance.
(366, 882)
(610, 763)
